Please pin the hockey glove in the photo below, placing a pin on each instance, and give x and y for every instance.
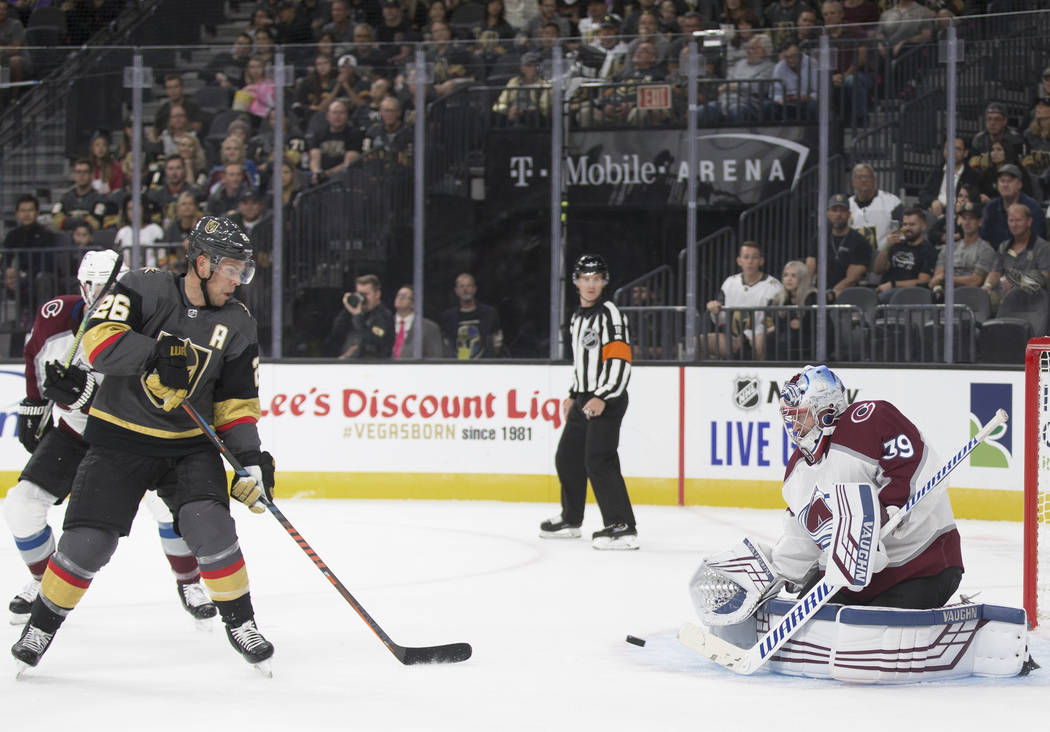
(72, 387)
(252, 488)
(30, 413)
(168, 378)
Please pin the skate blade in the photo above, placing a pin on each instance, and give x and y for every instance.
(263, 667)
(561, 534)
(205, 625)
(20, 668)
(624, 543)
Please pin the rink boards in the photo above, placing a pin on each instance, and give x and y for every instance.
(696, 435)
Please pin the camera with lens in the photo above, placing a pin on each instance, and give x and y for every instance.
(354, 299)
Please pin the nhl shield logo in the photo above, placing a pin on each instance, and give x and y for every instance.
(745, 392)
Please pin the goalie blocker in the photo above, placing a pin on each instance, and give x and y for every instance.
(892, 646)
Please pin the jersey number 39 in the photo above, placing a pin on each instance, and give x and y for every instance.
(900, 446)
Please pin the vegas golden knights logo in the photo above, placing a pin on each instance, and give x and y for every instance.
(197, 358)
(211, 227)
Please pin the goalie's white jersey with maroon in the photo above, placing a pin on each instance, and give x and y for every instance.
(872, 443)
(53, 333)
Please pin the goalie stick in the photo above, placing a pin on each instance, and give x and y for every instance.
(749, 660)
(46, 419)
(450, 653)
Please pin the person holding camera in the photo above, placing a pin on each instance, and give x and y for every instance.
(364, 328)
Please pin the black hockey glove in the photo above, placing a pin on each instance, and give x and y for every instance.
(72, 387)
(250, 489)
(30, 413)
(168, 377)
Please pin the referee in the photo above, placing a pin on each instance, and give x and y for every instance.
(601, 368)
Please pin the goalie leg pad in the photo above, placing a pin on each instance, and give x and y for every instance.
(893, 646)
(729, 586)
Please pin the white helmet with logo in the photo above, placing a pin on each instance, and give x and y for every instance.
(94, 272)
(810, 405)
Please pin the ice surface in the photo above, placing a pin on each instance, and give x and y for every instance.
(547, 620)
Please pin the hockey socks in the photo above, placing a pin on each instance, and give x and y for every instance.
(36, 550)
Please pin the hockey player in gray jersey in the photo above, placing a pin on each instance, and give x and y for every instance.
(161, 338)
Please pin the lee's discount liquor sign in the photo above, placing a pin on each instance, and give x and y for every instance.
(649, 167)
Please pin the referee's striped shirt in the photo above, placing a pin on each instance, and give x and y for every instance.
(601, 351)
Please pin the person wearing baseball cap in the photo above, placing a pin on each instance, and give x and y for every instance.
(997, 129)
(848, 252)
(994, 228)
(973, 256)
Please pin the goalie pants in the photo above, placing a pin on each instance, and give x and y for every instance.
(917, 593)
(588, 449)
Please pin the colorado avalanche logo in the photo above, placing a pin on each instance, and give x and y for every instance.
(827, 417)
(816, 518)
(51, 308)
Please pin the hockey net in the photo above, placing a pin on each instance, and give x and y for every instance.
(1037, 483)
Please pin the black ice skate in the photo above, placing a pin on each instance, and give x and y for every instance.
(197, 603)
(555, 528)
(22, 603)
(249, 642)
(615, 536)
(30, 647)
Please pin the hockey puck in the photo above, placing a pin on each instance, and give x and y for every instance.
(635, 640)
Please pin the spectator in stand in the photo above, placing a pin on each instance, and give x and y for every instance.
(396, 34)
(907, 24)
(192, 154)
(258, 93)
(341, 26)
(261, 147)
(364, 328)
(349, 81)
(106, 174)
(744, 29)
(873, 212)
(371, 57)
(178, 124)
(1037, 142)
(612, 48)
(995, 227)
(264, 48)
(314, 91)
(934, 194)
(548, 13)
(176, 91)
(1042, 89)
(187, 213)
(794, 91)
(741, 99)
(782, 17)
(793, 333)
(453, 66)
(389, 140)
(848, 253)
(749, 288)
(291, 187)
(630, 21)
(250, 209)
(165, 194)
(28, 234)
(404, 322)
(81, 201)
(996, 129)
(318, 12)
(234, 151)
(973, 257)
(988, 165)
(850, 74)
(619, 103)
(730, 11)
(861, 11)
(471, 328)
(292, 29)
(262, 20)
(149, 234)
(649, 32)
(367, 114)
(224, 199)
(907, 259)
(1022, 252)
(13, 55)
(226, 69)
(337, 147)
(808, 31)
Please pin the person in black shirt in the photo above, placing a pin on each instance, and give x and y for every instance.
(471, 329)
(337, 146)
(907, 260)
(848, 252)
(364, 327)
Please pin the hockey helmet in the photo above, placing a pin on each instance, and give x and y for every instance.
(810, 405)
(590, 264)
(94, 272)
(219, 238)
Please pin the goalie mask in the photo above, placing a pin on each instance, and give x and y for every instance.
(94, 272)
(810, 405)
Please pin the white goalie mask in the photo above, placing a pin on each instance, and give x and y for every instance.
(810, 405)
(94, 272)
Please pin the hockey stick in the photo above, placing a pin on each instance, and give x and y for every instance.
(749, 660)
(450, 653)
(40, 428)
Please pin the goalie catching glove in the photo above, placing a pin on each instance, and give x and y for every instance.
(168, 377)
(72, 387)
(30, 413)
(729, 586)
(258, 484)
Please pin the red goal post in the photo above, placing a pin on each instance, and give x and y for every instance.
(1037, 482)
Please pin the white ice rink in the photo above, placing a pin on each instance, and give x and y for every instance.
(547, 620)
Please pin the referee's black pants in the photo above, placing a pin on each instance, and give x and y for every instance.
(587, 449)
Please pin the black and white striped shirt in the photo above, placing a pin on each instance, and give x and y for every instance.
(601, 351)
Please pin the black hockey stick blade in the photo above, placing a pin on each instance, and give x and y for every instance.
(451, 653)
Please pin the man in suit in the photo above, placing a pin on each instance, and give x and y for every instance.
(404, 322)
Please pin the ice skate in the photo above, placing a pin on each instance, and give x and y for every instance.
(197, 603)
(22, 603)
(615, 536)
(555, 528)
(250, 643)
(30, 647)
